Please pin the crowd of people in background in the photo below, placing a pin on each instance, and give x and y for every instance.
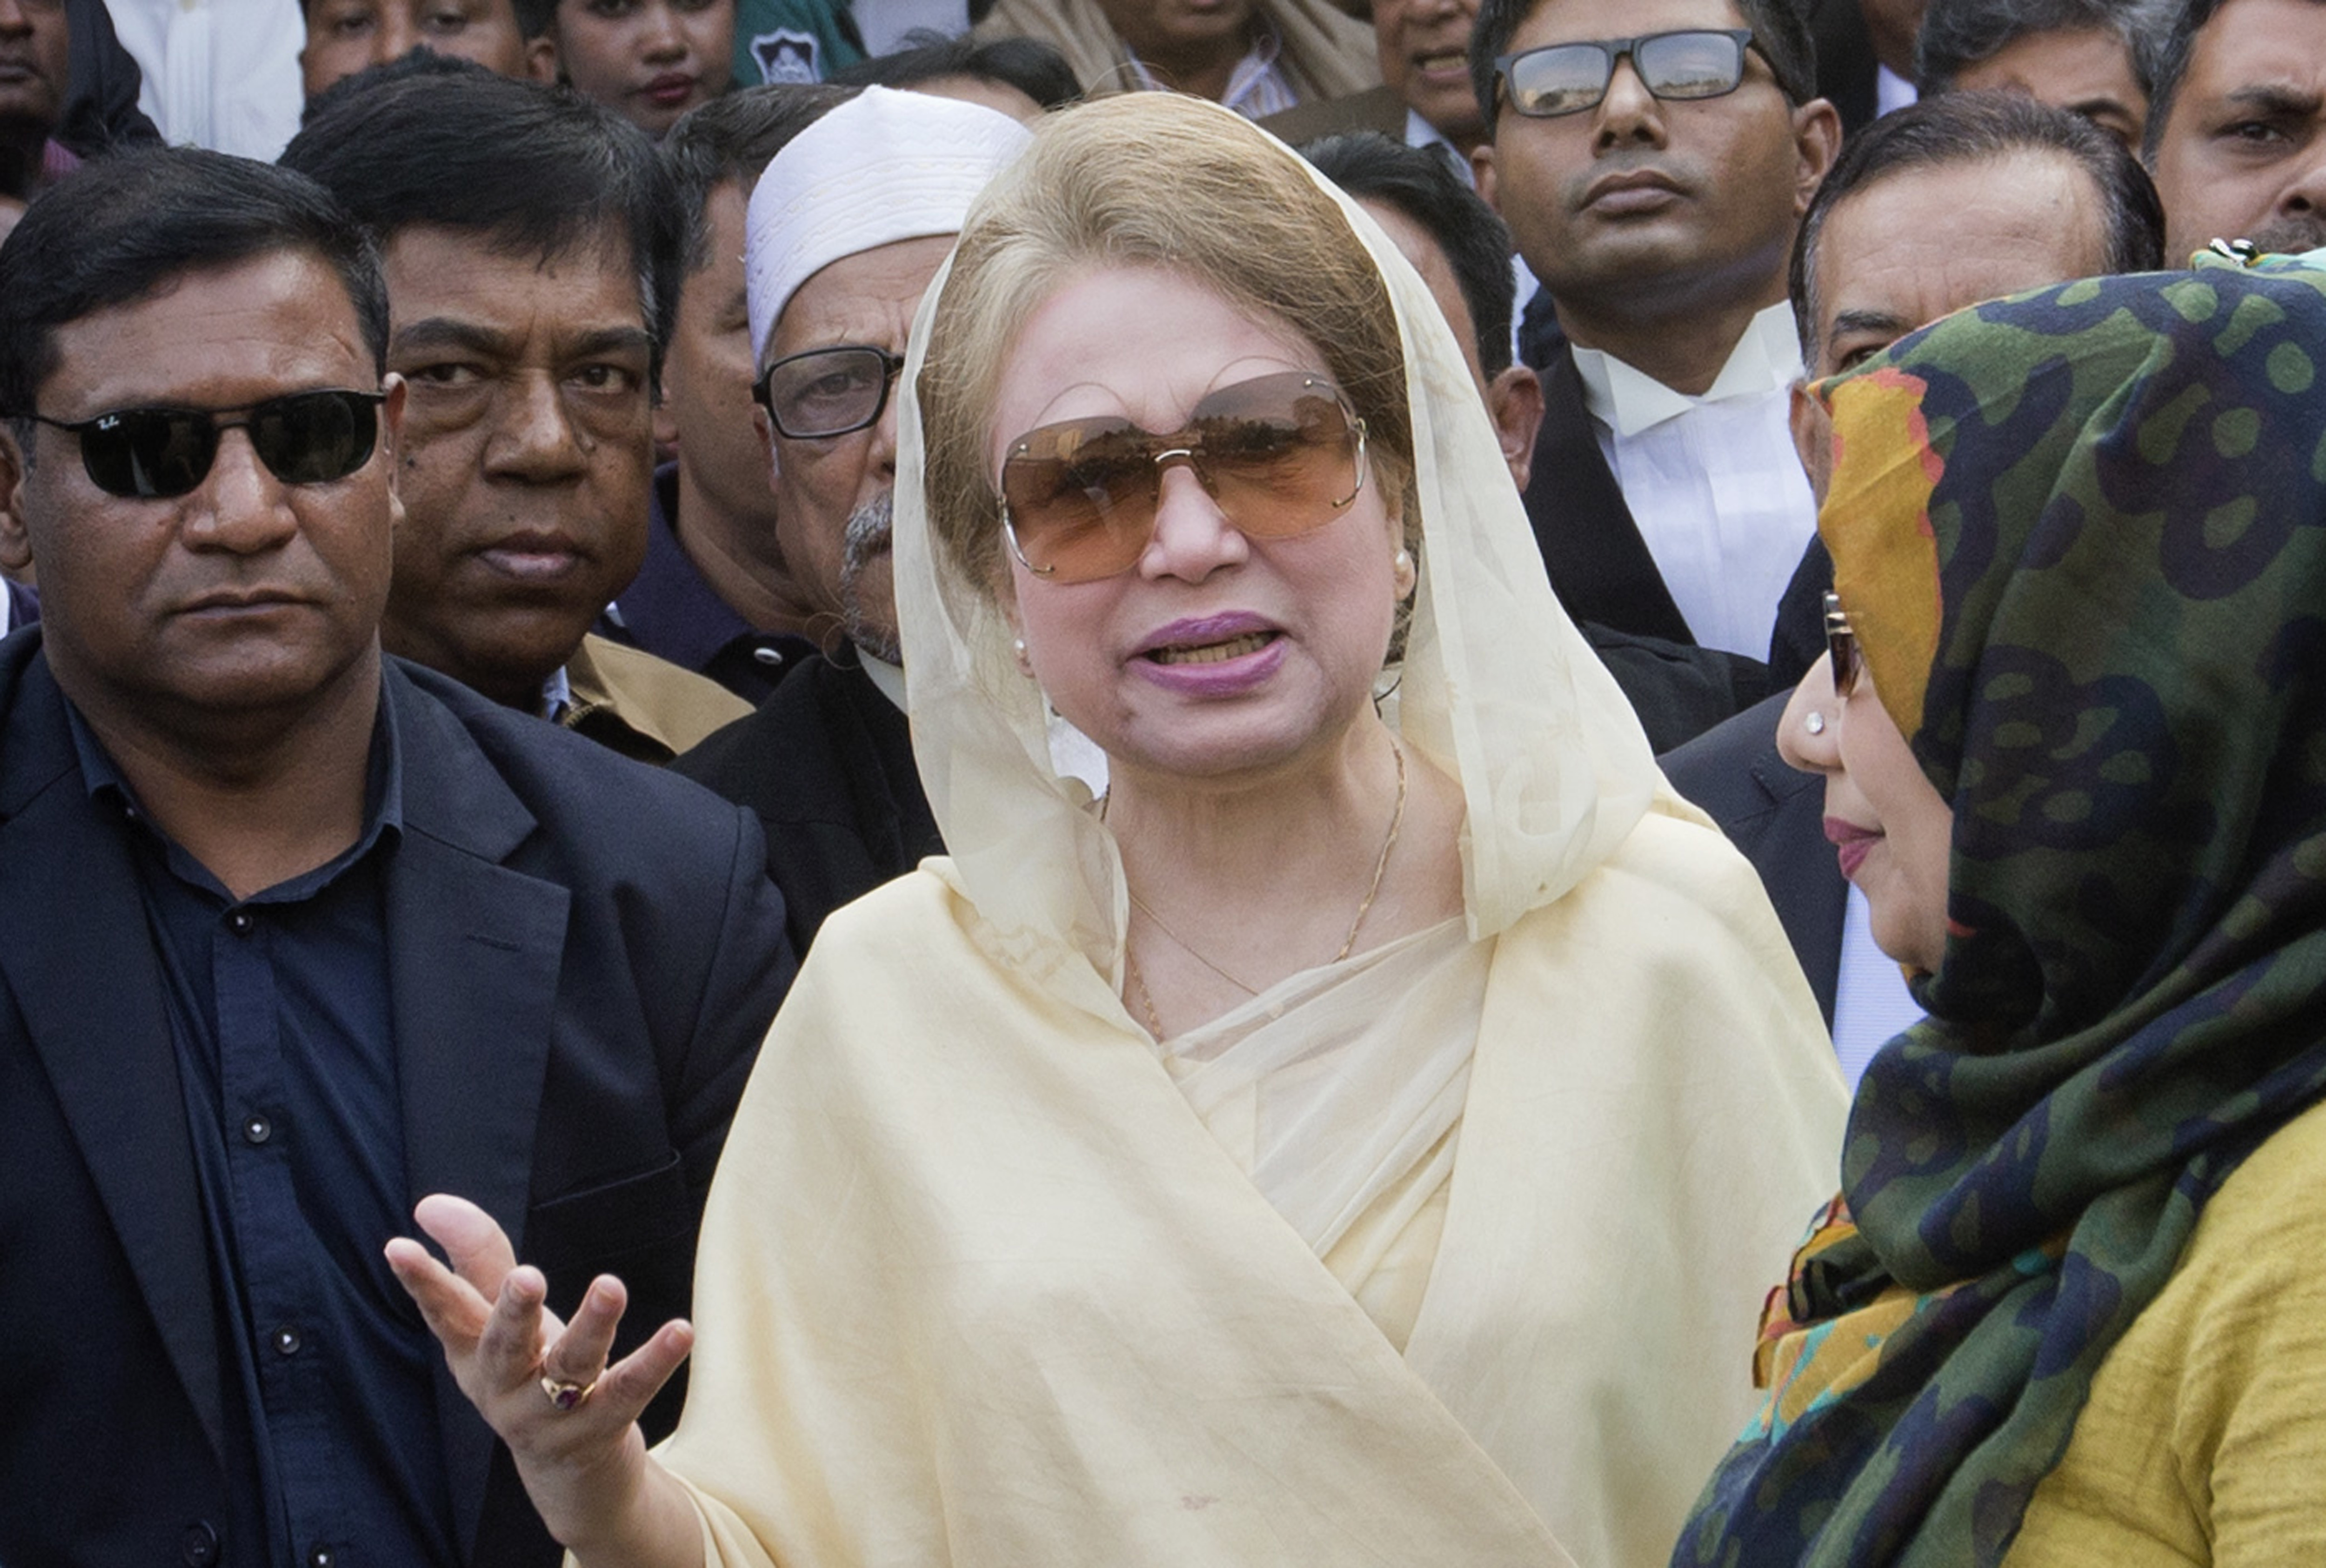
(1573, 815)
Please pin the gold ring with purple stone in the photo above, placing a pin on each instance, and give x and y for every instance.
(567, 1396)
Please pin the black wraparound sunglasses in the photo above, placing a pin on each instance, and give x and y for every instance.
(304, 438)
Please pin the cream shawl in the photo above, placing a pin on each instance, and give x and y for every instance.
(979, 1287)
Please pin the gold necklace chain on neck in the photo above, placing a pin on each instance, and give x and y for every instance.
(1372, 891)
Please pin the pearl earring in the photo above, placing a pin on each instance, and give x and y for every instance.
(1018, 651)
(1404, 573)
(1814, 722)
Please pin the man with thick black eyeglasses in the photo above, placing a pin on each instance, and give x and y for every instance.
(1653, 160)
(844, 229)
(297, 933)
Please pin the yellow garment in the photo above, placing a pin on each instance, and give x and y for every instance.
(1327, 53)
(643, 707)
(978, 1286)
(2204, 1439)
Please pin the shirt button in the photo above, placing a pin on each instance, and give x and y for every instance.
(239, 923)
(200, 1544)
(768, 656)
(286, 1341)
(321, 1557)
(257, 1129)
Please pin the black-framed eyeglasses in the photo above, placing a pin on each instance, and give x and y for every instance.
(827, 392)
(1841, 646)
(304, 438)
(1565, 78)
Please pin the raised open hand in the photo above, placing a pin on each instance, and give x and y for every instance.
(570, 1419)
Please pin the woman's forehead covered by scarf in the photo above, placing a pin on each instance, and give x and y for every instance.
(2081, 536)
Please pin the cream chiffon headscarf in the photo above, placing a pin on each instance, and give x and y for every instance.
(976, 1285)
(1498, 689)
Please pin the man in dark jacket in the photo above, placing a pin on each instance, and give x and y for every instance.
(295, 932)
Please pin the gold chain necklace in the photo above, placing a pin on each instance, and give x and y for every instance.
(1372, 891)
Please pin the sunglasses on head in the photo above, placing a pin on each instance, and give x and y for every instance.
(1565, 78)
(1279, 455)
(1841, 646)
(306, 438)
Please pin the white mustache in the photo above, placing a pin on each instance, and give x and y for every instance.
(868, 530)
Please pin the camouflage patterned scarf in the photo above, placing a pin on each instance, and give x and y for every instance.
(2081, 536)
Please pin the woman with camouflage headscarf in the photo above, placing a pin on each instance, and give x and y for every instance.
(2069, 1308)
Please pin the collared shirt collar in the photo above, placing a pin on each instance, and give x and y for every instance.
(1256, 88)
(556, 695)
(1766, 358)
(1892, 92)
(670, 609)
(1421, 133)
(383, 791)
(890, 678)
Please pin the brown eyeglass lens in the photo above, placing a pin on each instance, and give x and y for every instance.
(1281, 455)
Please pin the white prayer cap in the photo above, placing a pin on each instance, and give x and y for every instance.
(884, 166)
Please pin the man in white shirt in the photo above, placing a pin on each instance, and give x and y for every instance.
(1960, 199)
(1653, 158)
(222, 74)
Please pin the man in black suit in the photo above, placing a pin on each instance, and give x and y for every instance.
(1462, 252)
(296, 932)
(1866, 64)
(1958, 198)
(1653, 185)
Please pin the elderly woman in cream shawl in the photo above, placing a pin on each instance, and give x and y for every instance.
(1357, 1140)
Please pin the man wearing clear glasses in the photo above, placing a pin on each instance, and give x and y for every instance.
(1653, 159)
(845, 229)
(297, 933)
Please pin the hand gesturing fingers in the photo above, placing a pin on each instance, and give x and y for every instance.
(477, 1245)
(543, 1386)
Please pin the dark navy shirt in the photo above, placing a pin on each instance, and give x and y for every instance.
(672, 613)
(279, 1007)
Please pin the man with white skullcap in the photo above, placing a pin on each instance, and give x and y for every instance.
(844, 231)
(714, 594)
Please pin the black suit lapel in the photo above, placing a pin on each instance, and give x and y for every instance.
(474, 951)
(1598, 563)
(80, 962)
